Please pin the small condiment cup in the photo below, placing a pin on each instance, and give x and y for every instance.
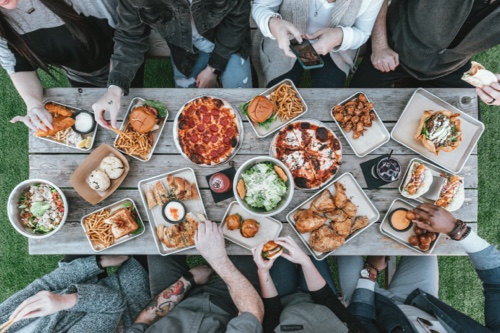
(392, 225)
(165, 206)
(76, 113)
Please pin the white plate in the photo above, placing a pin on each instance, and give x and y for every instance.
(238, 121)
(137, 101)
(355, 193)
(155, 216)
(262, 132)
(402, 237)
(84, 136)
(407, 126)
(374, 137)
(269, 228)
(112, 208)
(272, 150)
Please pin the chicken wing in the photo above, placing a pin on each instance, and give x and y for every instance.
(58, 124)
(337, 215)
(323, 203)
(359, 222)
(325, 239)
(342, 228)
(309, 221)
(350, 209)
(340, 197)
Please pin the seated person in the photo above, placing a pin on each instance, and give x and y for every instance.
(411, 303)
(429, 44)
(299, 292)
(336, 29)
(78, 296)
(216, 43)
(184, 302)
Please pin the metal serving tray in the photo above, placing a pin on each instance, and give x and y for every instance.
(374, 137)
(84, 136)
(356, 194)
(402, 237)
(137, 101)
(260, 131)
(269, 228)
(155, 216)
(112, 208)
(238, 145)
(405, 129)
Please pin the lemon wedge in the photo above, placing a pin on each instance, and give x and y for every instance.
(85, 143)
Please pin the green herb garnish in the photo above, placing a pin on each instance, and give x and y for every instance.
(162, 110)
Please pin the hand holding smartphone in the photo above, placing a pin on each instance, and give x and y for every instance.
(306, 54)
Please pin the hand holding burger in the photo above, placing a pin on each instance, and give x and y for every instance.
(294, 252)
(261, 255)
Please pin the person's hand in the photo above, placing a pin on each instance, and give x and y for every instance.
(201, 273)
(262, 264)
(327, 39)
(112, 261)
(281, 29)
(43, 304)
(206, 79)
(490, 94)
(109, 102)
(36, 118)
(209, 242)
(434, 218)
(379, 262)
(385, 59)
(295, 253)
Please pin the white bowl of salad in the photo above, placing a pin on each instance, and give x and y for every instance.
(268, 186)
(37, 208)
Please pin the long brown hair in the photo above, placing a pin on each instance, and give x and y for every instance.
(81, 29)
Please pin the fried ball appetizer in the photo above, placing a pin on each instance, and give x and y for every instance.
(249, 228)
(233, 222)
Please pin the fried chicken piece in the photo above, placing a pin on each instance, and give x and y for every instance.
(58, 124)
(233, 222)
(323, 203)
(309, 221)
(356, 134)
(339, 117)
(337, 215)
(359, 222)
(355, 119)
(362, 98)
(325, 239)
(342, 228)
(360, 128)
(249, 228)
(350, 209)
(340, 197)
(297, 214)
(59, 110)
(348, 127)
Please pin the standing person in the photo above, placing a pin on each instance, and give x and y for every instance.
(299, 292)
(215, 44)
(183, 302)
(336, 28)
(430, 43)
(411, 303)
(75, 36)
(78, 296)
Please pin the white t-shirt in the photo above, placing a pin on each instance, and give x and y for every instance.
(322, 19)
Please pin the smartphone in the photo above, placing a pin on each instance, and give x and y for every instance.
(306, 54)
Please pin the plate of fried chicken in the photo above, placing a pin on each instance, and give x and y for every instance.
(333, 216)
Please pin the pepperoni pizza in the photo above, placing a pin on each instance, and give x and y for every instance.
(208, 131)
(310, 150)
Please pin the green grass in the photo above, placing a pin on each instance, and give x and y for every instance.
(459, 285)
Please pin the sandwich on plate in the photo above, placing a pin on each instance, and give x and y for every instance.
(418, 181)
(452, 194)
(122, 223)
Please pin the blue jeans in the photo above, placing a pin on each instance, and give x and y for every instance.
(289, 277)
(238, 73)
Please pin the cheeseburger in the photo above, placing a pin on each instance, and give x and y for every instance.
(271, 250)
(260, 109)
(143, 119)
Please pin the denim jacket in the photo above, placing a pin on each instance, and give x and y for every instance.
(224, 22)
(380, 314)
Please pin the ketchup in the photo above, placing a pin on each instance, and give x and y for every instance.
(220, 183)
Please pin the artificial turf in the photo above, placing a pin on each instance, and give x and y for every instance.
(459, 285)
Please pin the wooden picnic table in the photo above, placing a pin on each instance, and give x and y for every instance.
(56, 163)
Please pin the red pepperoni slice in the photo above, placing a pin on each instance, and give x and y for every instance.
(201, 127)
(206, 139)
(221, 150)
(203, 108)
(198, 151)
(215, 112)
(194, 138)
(230, 132)
(214, 128)
(214, 138)
(191, 123)
(214, 153)
(227, 140)
(224, 121)
(190, 111)
(207, 119)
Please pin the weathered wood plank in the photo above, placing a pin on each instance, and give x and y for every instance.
(382, 199)
(72, 240)
(44, 166)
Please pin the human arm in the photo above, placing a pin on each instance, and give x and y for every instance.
(383, 57)
(490, 94)
(30, 89)
(343, 38)
(209, 241)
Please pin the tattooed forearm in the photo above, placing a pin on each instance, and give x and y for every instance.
(163, 303)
